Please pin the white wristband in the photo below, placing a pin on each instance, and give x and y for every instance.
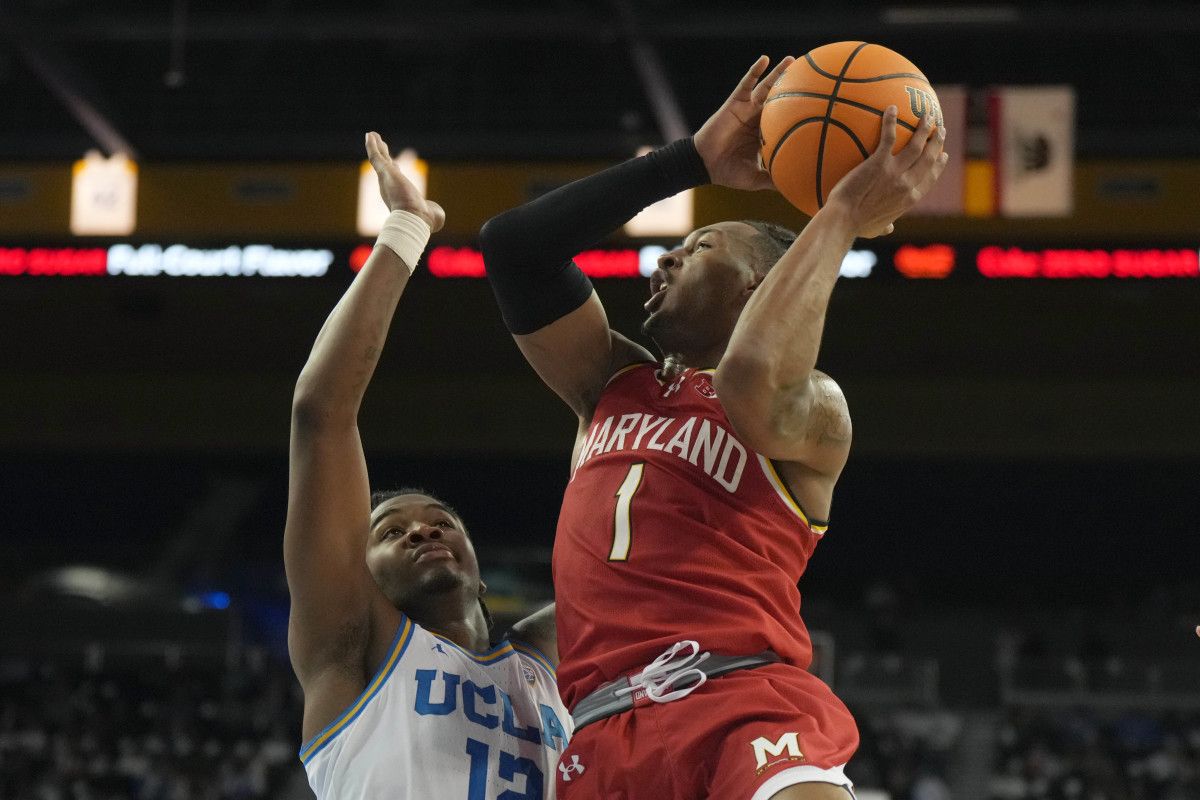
(405, 234)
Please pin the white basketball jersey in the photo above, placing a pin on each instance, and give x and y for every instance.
(438, 722)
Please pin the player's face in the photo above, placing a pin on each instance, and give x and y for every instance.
(700, 287)
(417, 548)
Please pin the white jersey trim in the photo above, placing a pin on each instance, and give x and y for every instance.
(806, 774)
(342, 721)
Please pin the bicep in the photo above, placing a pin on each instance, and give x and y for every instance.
(324, 548)
(576, 354)
(808, 424)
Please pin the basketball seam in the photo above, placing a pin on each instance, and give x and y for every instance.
(785, 136)
(915, 75)
(828, 116)
(843, 100)
(853, 137)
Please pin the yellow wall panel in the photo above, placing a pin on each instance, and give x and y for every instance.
(310, 201)
(1115, 200)
(35, 200)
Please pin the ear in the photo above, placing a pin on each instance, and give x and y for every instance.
(482, 588)
(756, 280)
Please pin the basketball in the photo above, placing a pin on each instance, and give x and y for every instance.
(821, 118)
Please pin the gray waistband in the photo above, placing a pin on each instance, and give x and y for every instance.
(604, 702)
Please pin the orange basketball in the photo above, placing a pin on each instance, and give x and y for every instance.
(821, 119)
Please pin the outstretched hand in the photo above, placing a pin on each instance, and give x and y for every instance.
(879, 190)
(729, 141)
(398, 191)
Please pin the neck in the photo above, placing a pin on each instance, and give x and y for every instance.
(466, 633)
(465, 626)
(676, 362)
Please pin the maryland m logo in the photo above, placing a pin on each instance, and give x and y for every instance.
(785, 749)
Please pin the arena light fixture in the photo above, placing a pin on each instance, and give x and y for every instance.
(371, 209)
(103, 195)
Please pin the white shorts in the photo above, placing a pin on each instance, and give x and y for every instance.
(804, 774)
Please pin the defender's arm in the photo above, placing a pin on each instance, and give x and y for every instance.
(334, 599)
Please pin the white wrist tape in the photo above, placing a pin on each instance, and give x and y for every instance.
(405, 234)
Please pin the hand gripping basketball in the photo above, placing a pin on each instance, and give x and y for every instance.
(879, 190)
(728, 142)
(398, 191)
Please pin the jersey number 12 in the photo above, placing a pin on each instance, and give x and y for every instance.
(510, 767)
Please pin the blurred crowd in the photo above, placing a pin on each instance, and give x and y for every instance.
(227, 728)
(147, 732)
(905, 752)
(1082, 754)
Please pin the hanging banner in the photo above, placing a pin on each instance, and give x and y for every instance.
(946, 196)
(1033, 150)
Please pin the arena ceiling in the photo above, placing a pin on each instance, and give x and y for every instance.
(299, 79)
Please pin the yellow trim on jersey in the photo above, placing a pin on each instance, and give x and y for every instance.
(627, 368)
(785, 494)
(500, 652)
(531, 652)
(349, 715)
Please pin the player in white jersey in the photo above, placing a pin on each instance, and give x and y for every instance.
(404, 695)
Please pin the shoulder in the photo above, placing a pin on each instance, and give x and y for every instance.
(831, 422)
(537, 632)
(626, 356)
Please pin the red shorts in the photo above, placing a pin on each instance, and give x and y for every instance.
(743, 735)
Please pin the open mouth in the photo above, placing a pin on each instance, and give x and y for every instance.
(658, 288)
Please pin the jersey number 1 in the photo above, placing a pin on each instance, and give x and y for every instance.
(622, 518)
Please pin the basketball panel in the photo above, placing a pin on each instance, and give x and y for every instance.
(866, 125)
(875, 60)
(801, 77)
(831, 58)
(781, 115)
(841, 156)
(912, 98)
(794, 169)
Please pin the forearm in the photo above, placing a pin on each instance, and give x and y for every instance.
(530, 248)
(343, 358)
(778, 334)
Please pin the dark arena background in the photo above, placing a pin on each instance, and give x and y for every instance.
(1008, 593)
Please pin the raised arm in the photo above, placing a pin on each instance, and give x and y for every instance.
(547, 302)
(337, 611)
(767, 380)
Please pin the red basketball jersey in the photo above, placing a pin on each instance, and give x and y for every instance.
(673, 529)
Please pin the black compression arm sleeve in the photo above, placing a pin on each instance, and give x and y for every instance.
(528, 250)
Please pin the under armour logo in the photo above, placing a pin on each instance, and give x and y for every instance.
(675, 386)
(568, 770)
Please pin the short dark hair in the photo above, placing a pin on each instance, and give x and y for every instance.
(770, 243)
(381, 496)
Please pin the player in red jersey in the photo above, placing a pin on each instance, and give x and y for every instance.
(687, 523)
